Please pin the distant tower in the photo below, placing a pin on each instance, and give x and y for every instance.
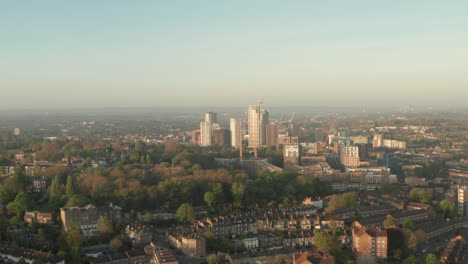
(16, 131)
(206, 129)
(272, 134)
(462, 200)
(210, 117)
(255, 126)
(377, 142)
(236, 132)
(258, 119)
(265, 120)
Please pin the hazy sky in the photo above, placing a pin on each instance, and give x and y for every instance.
(98, 53)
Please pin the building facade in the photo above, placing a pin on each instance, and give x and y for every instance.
(86, 218)
(370, 242)
(254, 115)
(462, 199)
(236, 132)
(272, 133)
(349, 156)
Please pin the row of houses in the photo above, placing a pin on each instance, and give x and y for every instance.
(9, 253)
(294, 218)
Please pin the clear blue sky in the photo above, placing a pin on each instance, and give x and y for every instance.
(102, 53)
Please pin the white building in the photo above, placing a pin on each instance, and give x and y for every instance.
(394, 144)
(206, 129)
(250, 243)
(254, 115)
(236, 132)
(462, 199)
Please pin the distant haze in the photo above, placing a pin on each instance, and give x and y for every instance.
(107, 53)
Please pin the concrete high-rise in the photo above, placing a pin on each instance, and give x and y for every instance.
(221, 136)
(272, 134)
(462, 200)
(377, 141)
(206, 129)
(349, 156)
(236, 132)
(210, 117)
(265, 120)
(206, 133)
(254, 116)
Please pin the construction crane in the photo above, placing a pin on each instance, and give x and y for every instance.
(291, 119)
(260, 100)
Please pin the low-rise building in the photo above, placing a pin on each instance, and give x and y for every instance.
(38, 217)
(191, 245)
(86, 218)
(12, 254)
(369, 211)
(313, 257)
(127, 257)
(40, 185)
(139, 234)
(250, 243)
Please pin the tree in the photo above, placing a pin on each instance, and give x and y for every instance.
(70, 187)
(115, 244)
(148, 217)
(78, 201)
(420, 196)
(397, 253)
(104, 225)
(210, 198)
(410, 260)
(411, 241)
(185, 214)
(447, 208)
(55, 191)
(389, 222)
(431, 259)
(213, 259)
(408, 224)
(74, 238)
(346, 200)
(238, 190)
(21, 203)
(327, 242)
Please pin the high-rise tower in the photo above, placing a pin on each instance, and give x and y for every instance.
(236, 132)
(206, 129)
(254, 116)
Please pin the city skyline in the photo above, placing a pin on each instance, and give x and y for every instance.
(115, 54)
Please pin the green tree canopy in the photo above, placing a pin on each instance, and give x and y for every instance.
(210, 198)
(389, 222)
(431, 259)
(447, 208)
(70, 187)
(213, 259)
(104, 225)
(21, 203)
(326, 241)
(185, 214)
(420, 196)
(408, 224)
(411, 260)
(238, 190)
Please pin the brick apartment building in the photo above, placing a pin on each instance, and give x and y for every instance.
(370, 241)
